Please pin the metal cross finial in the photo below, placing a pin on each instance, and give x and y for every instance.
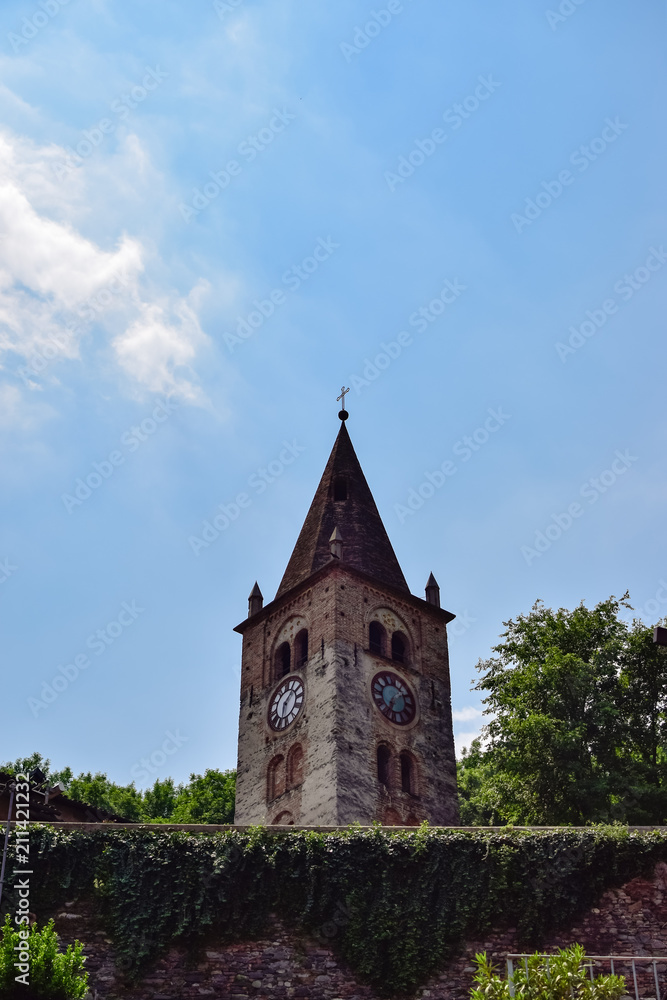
(343, 412)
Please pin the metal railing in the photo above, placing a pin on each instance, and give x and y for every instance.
(590, 961)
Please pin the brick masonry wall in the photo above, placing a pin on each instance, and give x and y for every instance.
(629, 920)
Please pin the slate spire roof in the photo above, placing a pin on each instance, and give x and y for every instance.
(343, 500)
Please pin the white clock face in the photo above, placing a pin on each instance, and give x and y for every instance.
(286, 703)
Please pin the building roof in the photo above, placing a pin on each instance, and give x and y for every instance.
(60, 808)
(366, 545)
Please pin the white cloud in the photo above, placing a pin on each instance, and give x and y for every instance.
(466, 714)
(156, 344)
(53, 279)
(462, 740)
(470, 713)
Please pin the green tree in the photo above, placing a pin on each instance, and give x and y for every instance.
(209, 798)
(643, 678)
(577, 703)
(96, 790)
(24, 765)
(160, 800)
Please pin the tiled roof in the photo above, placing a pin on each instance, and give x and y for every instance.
(366, 545)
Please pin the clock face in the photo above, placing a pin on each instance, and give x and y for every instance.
(394, 698)
(286, 703)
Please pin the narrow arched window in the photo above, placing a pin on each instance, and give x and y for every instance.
(301, 648)
(340, 488)
(398, 647)
(283, 660)
(295, 766)
(384, 763)
(376, 638)
(407, 774)
(275, 778)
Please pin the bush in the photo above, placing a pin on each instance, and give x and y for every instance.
(557, 977)
(50, 975)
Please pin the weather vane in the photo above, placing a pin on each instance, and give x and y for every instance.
(343, 414)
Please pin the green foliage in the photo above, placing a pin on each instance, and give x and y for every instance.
(559, 977)
(24, 765)
(52, 975)
(395, 906)
(96, 790)
(208, 798)
(578, 727)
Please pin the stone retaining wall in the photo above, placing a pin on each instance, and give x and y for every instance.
(631, 920)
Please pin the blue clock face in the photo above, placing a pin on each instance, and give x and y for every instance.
(286, 703)
(394, 698)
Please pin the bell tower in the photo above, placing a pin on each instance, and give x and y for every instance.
(345, 695)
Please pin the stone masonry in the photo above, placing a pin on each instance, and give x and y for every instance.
(631, 920)
(333, 596)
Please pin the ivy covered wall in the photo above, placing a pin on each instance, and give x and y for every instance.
(402, 902)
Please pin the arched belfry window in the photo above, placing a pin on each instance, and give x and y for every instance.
(275, 778)
(295, 766)
(301, 648)
(283, 660)
(408, 775)
(376, 638)
(384, 764)
(399, 647)
(340, 488)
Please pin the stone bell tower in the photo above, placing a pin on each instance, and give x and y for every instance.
(345, 695)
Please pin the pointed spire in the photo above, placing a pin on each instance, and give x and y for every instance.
(344, 501)
(255, 601)
(433, 591)
(336, 544)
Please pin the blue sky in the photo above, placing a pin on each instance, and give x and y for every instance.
(213, 215)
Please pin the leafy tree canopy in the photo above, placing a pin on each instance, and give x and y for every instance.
(578, 722)
(208, 798)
